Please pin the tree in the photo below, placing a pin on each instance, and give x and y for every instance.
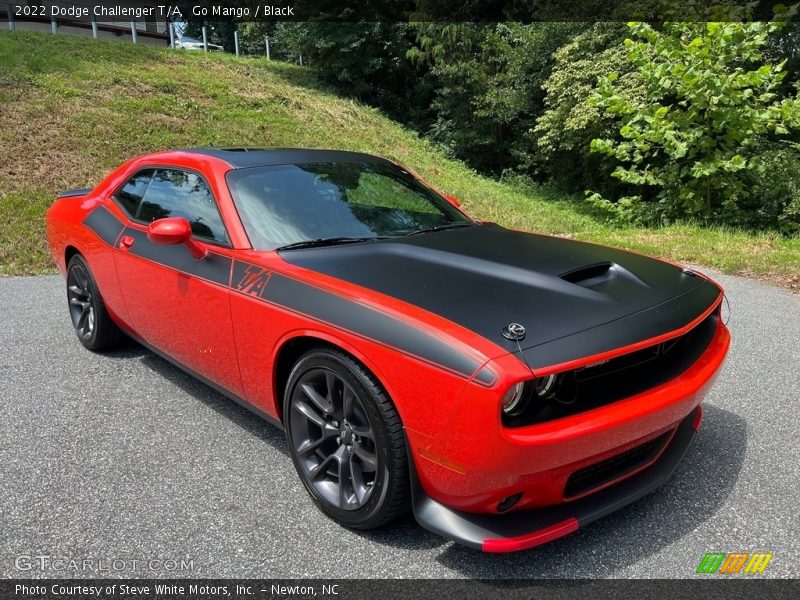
(488, 86)
(693, 140)
(365, 60)
(570, 120)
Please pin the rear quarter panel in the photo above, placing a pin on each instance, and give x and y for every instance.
(65, 229)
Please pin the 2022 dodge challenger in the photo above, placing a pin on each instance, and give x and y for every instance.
(509, 387)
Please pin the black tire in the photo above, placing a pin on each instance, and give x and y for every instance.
(90, 319)
(372, 434)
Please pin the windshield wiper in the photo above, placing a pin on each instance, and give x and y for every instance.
(328, 241)
(456, 225)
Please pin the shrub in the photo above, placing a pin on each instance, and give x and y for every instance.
(694, 141)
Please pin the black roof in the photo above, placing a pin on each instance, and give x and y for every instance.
(240, 158)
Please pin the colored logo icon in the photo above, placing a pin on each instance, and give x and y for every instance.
(730, 563)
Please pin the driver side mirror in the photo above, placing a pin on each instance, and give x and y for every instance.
(172, 231)
(452, 200)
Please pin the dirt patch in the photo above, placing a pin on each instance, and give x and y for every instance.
(41, 150)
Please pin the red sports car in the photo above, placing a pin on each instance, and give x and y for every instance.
(509, 387)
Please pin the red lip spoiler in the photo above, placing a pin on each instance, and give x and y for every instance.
(531, 540)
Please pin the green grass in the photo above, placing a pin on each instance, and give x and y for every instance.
(72, 109)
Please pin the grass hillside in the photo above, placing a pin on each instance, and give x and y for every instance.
(71, 109)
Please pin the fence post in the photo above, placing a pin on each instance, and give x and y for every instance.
(205, 39)
(236, 41)
(301, 60)
(133, 31)
(266, 41)
(53, 25)
(94, 27)
(10, 9)
(171, 34)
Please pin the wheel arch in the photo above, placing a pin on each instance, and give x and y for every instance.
(69, 252)
(293, 345)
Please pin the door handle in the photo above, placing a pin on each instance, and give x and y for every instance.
(125, 242)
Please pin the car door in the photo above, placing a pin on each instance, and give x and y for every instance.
(173, 301)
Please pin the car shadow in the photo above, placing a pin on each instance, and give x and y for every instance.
(402, 533)
(236, 413)
(697, 490)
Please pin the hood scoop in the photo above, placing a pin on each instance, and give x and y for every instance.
(590, 274)
(604, 277)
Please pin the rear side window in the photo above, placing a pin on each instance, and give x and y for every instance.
(130, 195)
(176, 193)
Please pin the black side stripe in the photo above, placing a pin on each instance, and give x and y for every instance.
(104, 224)
(215, 268)
(486, 376)
(314, 302)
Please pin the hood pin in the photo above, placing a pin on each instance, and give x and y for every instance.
(514, 331)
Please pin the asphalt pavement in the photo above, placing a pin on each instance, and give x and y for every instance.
(122, 457)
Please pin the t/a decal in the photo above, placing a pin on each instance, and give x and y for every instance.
(253, 281)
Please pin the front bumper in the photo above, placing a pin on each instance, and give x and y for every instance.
(476, 464)
(520, 530)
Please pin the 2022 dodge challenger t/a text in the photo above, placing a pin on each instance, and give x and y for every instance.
(509, 387)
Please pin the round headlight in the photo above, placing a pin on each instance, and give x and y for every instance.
(547, 386)
(514, 401)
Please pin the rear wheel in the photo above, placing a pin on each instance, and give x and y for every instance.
(90, 319)
(346, 440)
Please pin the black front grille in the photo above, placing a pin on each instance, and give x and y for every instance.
(598, 474)
(619, 378)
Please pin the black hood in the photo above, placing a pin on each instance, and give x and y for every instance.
(485, 277)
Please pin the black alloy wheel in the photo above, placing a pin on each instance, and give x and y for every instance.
(87, 310)
(81, 299)
(346, 440)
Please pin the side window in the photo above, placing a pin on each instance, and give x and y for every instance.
(175, 193)
(130, 195)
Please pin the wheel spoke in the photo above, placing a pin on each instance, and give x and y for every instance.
(330, 387)
(322, 467)
(78, 302)
(363, 431)
(309, 446)
(81, 326)
(84, 280)
(368, 459)
(305, 409)
(318, 399)
(343, 461)
(347, 402)
(357, 479)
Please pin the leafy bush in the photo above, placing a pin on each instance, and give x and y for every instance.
(775, 198)
(694, 141)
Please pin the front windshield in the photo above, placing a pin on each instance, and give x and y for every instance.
(287, 204)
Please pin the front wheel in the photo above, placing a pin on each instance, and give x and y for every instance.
(346, 440)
